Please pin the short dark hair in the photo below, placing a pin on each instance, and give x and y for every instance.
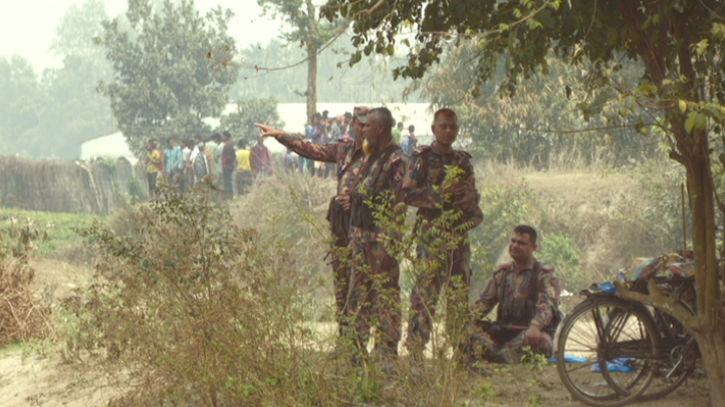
(242, 144)
(444, 112)
(385, 115)
(226, 133)
(527, 230)
(348, 115)
(411, 128)
(401, 124)
(216, 136)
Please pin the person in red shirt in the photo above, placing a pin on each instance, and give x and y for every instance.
(261, 159)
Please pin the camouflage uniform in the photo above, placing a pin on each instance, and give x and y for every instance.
(426, 172)
(374, 291)
(512, 289)
(349, 160)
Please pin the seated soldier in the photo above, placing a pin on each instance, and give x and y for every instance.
(527, 294)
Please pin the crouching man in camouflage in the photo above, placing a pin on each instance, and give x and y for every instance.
(527, 293)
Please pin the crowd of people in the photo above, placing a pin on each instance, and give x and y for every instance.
(326, 129)
(372, 170)
(232, 168)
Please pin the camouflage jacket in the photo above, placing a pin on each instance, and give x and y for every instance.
(344, 153)
(381, 174)
(425, 174)
(508, 283)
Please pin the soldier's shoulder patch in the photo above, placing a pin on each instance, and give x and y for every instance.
(502, 267)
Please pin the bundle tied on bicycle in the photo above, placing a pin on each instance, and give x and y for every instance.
(612, 351)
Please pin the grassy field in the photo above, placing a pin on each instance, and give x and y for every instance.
(57, 231)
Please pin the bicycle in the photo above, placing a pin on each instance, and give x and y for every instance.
(611, 351)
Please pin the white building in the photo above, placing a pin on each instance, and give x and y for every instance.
(107, 145)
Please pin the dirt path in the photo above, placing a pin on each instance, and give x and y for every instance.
(46, 381)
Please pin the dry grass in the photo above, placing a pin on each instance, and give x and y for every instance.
(23, 315)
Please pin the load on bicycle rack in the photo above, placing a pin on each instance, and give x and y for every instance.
(610, 351)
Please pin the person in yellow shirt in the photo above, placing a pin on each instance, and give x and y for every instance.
(153, 167)
(245, 178)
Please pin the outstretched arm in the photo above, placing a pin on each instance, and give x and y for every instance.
(295, 142)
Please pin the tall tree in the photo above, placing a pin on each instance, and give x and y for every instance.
(338, 82)
(680, 44)
(73, 109)
(171, 69)
(20, 103)
(311, 32)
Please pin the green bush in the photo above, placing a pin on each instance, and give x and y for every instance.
(558, 250)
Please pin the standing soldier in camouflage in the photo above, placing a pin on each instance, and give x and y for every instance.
(449, 267)
(347, 154)
(375, 293)
(527, 293)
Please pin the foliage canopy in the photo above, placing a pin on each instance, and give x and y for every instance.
(171, 69)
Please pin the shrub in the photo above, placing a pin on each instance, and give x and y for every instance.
(558, 250)
(197, 309)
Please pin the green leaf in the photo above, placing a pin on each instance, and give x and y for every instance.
(647, 88)
(683, 105)
(690, 122)
(701, 47)
(700, 121)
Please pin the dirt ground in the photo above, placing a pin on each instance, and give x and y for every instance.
(27, 379)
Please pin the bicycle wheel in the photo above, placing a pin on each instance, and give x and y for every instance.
(678, 356)
(605, 351)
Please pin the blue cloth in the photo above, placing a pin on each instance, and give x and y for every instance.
(172, 159)
(571, 359)
(617, 365)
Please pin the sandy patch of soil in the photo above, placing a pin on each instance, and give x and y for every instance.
(46, 381)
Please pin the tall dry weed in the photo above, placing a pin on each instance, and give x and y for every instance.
(23, 313)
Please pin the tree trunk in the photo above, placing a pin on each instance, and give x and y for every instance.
(709, 332)
(311, 62)
(712, 348)
(311, 83)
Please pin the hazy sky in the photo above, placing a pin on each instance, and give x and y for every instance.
(27, 27)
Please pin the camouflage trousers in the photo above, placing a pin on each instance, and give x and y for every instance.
(452, 272)
(340, 254)
(375, 298)
(509, 342)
